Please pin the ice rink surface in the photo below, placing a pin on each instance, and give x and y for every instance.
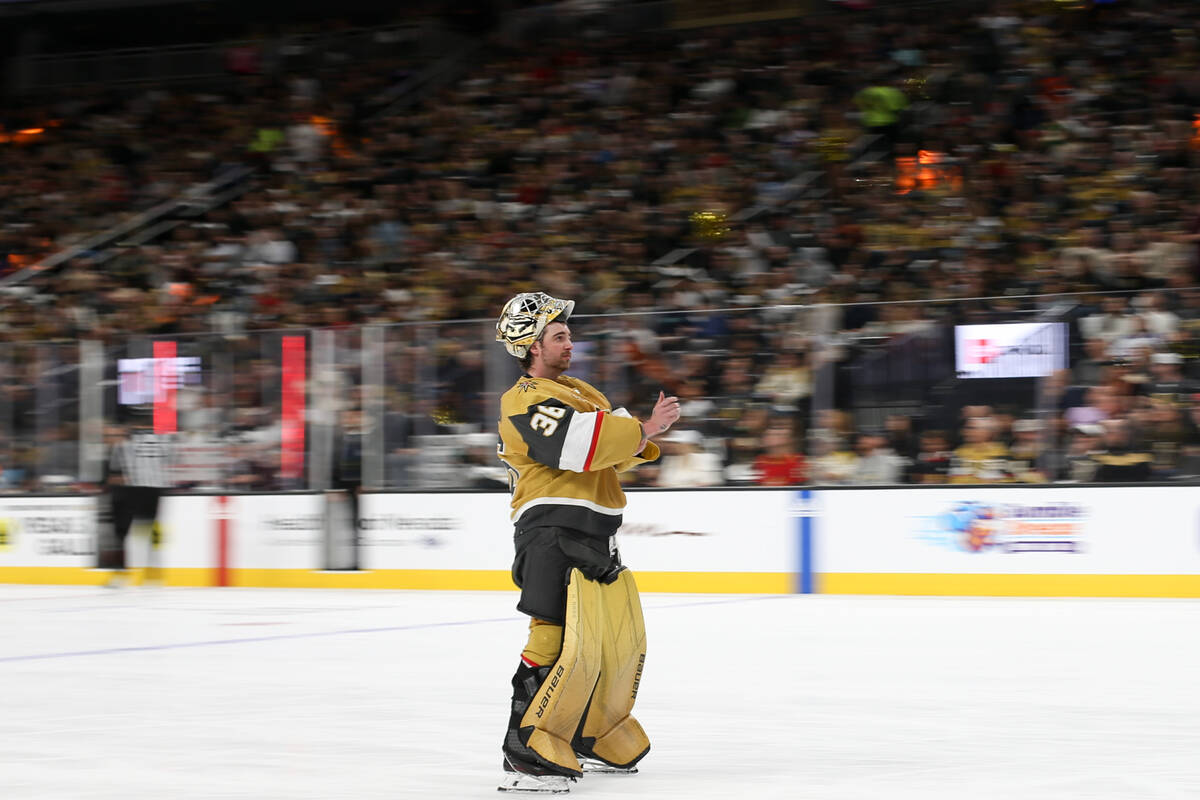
(174, 694)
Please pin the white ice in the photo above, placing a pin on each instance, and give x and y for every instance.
(174, 694)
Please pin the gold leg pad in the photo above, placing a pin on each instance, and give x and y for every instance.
(609, 731)
(560, 701)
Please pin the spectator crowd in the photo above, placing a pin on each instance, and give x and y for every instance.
(744, 215)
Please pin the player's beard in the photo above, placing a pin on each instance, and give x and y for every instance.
(562, 362)
(554, 364)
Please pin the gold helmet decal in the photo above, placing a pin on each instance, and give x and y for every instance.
(525, 317)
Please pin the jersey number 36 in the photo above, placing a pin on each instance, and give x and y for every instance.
(546, 420)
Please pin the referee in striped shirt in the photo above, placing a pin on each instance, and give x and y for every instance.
(138, 473)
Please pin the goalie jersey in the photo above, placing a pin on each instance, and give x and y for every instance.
(563, 445)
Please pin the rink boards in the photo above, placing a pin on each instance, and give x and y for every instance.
(1027, 541)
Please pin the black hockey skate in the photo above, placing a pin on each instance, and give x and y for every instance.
(525, 770)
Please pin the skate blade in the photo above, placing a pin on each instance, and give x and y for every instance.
(592, 767)
(534, 784)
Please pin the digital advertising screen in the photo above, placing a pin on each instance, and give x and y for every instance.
(1010, 350)
(145, 380)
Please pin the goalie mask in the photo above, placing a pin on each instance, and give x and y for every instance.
(525, 317)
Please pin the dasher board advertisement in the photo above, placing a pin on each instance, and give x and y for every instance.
(1058, 530)
(48, 531)
(700, 532)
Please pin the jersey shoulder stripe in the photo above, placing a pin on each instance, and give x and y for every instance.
(587, 463)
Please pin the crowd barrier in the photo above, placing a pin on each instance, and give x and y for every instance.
(1030, 541)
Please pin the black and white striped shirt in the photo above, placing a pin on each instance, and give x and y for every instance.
(144, 459)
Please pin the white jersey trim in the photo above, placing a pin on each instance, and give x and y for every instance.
(567, 501)
(577, 444)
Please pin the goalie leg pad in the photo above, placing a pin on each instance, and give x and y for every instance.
(609, 732)
(556, 708)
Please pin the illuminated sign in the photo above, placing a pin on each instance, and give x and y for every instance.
(146, 380)
(1010, 350)
(928, 171)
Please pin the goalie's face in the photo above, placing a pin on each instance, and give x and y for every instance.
(551, 355)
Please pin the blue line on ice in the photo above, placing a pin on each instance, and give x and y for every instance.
(108, 651)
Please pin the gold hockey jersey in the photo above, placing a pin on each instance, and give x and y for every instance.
(563, 445)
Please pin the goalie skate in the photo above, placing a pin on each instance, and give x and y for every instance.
(595, 766)
(528, 783)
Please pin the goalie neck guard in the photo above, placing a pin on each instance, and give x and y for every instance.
(525, 317)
